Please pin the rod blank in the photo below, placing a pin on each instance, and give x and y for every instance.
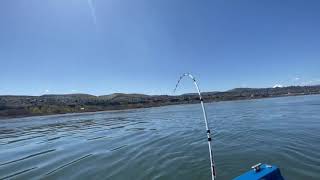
(213, 172)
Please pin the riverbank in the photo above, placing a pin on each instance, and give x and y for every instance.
(24, 106)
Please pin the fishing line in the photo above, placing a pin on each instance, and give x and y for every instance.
(93, 12)
(213, 171)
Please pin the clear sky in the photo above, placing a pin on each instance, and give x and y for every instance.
(142, 46)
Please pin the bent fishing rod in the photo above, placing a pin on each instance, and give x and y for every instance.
(213, 171)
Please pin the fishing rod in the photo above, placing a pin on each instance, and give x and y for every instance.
(213, 171)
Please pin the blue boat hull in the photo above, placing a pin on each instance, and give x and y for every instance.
(262, 172)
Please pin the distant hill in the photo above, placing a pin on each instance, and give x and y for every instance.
(20, 106)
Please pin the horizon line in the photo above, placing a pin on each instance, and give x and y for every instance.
(82, 93)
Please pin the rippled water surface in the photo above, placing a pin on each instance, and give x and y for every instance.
(166, 143)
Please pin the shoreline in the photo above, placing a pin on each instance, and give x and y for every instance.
(141, 107)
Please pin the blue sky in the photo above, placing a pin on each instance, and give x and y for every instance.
(142, 46)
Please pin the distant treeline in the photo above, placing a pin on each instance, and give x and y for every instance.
(20, 106)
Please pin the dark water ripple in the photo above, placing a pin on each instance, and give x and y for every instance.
(165, 143)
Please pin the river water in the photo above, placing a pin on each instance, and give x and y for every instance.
(166, 143)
